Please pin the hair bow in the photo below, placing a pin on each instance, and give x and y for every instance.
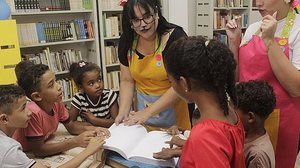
(123, 2)
(81, 64)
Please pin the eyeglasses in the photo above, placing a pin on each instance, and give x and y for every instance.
(149, 18)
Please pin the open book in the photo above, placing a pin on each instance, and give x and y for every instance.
(136, 144)
(56, 160)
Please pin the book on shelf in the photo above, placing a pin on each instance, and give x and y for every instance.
(56, 160)
(113, 79)
(221, 17)
(136, 144)
(112, 25)
(229, 3)
(26, 6)
(110, 4)
(54, 31)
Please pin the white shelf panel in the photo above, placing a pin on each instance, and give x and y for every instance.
(111, 38)
(113, 10)
(230, 8)
(61, 72)
(58, 43)
(223, 29)
(112, 65)
(50, 12)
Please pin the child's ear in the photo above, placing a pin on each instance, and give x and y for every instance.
(3, 118)
(35, 96)
(251, 117)
(185, 83)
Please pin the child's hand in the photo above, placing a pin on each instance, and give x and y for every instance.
(95, 144)
(88, 116)
(83, 139)
(176, 141)
(102, 132)
(172, 130)
(167, 153)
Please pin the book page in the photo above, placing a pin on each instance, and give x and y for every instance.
(124, 138)
(58, 160)
(153, 142)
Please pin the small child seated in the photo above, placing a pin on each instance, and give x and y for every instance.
(255, 101)
(94, 104)
(177, 139)
(13, 115)
(39, 84)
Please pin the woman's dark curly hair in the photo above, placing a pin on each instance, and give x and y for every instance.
(256, 96)
(78, 69)
(209, 67)
(31, 81)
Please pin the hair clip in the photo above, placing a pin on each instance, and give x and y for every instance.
(206, 43)
(294, 3)
(122, 2)
(81, 64)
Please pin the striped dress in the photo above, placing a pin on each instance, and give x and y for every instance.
(82, 102)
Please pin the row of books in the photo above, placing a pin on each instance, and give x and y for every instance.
(23, 6)
(222, 17)
(42, 32)
(111, 54)
(112, 25)
(69, 88)
(58, 61)
(110, 4)
(229, 3)
(113, 80)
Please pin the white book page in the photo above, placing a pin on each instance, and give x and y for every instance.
(153, 142)
(124, 139)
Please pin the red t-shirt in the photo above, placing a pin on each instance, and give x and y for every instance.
(216, 144)
(41, 124)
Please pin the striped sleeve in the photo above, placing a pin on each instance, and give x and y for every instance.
(112, 97)
(76, 101)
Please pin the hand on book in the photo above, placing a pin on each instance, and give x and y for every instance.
(84, 138)
(95, 144)
(102, 132)
(167, 153)
(121, 117)
(174, 130)
(177, 141)
(136, 118)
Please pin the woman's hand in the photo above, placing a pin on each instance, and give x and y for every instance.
(268, 28)
(121, 117)
(233, 29)
(137, 118)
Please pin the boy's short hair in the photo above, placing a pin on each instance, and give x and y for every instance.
(256, 96)
(22, 68)
(31, 81)
(9, 94)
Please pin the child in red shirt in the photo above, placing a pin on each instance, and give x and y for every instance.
(203, 72)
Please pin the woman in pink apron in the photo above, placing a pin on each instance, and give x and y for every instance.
(270, 50)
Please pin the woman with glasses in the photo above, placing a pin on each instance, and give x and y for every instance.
(146, 36)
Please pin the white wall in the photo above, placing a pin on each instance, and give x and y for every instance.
(182, 13)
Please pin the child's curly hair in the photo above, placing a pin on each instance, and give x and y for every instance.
(31, 81)
(209, 65)
(78, 69)
(256, 96)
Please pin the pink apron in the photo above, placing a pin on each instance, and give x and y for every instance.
(284, 122)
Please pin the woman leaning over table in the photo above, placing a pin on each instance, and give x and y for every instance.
(146, 36)
(270, 50)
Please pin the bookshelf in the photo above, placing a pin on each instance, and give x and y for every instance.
(212, 16)
(58, 33)
(109, 13)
